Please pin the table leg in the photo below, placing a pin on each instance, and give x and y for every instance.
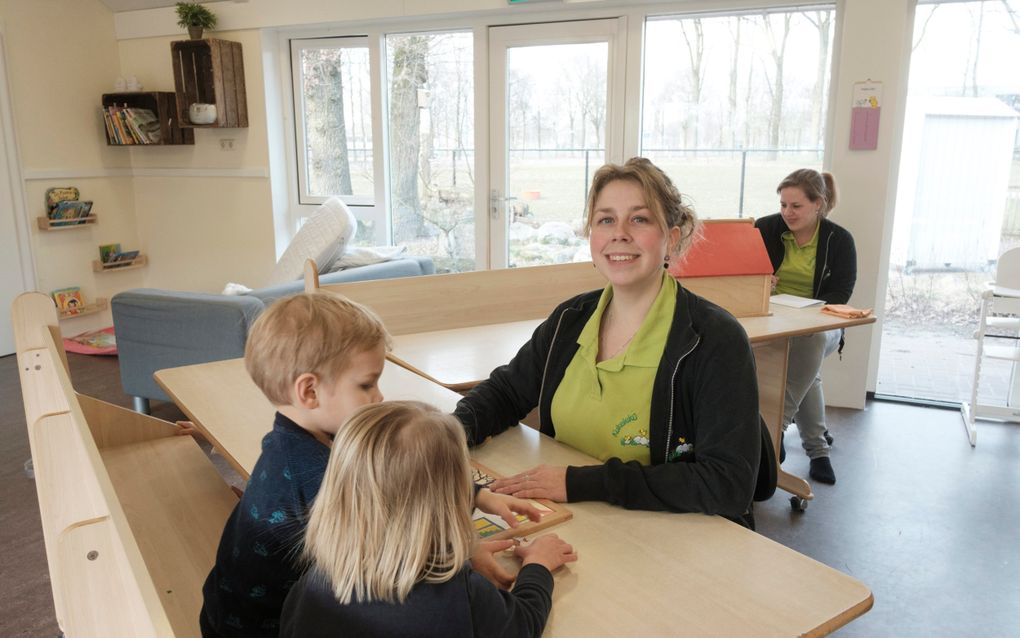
(770, 358)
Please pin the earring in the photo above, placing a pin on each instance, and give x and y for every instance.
(665, 264)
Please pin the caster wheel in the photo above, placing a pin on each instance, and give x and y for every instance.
(798, 504)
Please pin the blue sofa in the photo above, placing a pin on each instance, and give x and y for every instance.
(159, 329)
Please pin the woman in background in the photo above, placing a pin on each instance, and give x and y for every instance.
(815, 258)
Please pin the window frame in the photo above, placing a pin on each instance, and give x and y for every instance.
(291, 210)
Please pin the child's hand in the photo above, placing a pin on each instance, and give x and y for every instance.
(549, 551)
(186, 428)
(483, 562)
(506, 507)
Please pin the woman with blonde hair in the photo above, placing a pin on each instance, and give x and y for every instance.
(390, 533)
(814, 258)
(652, 380)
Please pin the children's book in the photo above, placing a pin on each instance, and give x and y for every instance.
(59, 194)
(106, 251)
(119, 259)
(492, 527)
(69, 300)
(73, 211)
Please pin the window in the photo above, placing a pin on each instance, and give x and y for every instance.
(430, 102)
(333, 112)
(731, 104)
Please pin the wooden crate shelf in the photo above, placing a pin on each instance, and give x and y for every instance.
(45, 223)
(99, 305)
(137, 262)
(164, 105)
(210, 71)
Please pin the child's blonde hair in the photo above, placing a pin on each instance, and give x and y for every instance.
(309, 332)
(395, 504)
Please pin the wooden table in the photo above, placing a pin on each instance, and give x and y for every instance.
(639, 573)
(462, 357)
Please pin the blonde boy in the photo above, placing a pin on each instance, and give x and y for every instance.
(317, 358)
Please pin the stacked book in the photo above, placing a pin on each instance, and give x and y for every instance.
(128, 125)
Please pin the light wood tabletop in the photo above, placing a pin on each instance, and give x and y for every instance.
(460, 358)
(639, 573)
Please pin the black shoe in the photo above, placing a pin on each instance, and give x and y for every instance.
(782, 447)
(828, 438)
(821, 470)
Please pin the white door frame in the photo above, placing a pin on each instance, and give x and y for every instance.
(611, 30)
(10, 171)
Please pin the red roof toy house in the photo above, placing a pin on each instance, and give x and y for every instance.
(730, 266)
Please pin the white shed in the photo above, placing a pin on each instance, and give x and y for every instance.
(953, 180)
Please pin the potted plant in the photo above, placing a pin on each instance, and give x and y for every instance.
(195, 17)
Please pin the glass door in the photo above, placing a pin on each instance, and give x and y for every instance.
(957, 203)
(556, 116)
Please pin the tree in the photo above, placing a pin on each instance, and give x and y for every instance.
(409, 75)
(822, 21)
(695, 55)
(731, 115)
(324, 92)
(778, 50)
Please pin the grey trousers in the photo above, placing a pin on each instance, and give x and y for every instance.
(804, 401)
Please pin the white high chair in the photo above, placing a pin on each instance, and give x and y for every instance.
(1000, 308)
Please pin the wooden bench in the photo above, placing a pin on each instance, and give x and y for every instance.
(131, 512)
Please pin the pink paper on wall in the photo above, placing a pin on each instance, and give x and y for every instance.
(864, 128)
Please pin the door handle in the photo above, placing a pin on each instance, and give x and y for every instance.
(497, 203)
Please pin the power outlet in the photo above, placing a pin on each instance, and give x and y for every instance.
(227, 144)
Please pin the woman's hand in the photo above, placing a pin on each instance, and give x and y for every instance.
(484, 562)
(506, 507)
(775, 280)
(538, 482)
(550, 551)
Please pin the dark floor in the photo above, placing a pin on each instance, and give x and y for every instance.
(929, 523)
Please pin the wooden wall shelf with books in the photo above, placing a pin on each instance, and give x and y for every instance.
(99, 305)
(137, 262)
(210, 71)
(162, 104)
(45, 223)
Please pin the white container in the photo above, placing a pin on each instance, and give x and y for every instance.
(200, 113)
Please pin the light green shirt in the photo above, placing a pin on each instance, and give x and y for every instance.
(602, 408)
(797, 272)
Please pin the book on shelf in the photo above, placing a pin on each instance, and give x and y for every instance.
(119, 259)
(70, 212)
(69, 300)
(129, 125)
(108, 250)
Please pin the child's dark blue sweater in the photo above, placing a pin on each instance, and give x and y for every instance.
(256, 563)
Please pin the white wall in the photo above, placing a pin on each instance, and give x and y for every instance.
(876, 38)
(62, 55)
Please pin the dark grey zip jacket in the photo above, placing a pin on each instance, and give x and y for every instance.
(835, 262)
(703, 424)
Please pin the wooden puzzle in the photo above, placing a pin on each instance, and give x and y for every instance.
(493, 527)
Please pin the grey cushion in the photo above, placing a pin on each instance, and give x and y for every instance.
(404, 267)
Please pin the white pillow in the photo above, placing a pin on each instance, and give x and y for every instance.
(323, 237)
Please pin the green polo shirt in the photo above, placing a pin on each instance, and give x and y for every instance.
(602, 408)
(797, 272)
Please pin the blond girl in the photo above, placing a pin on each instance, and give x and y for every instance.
(390, 534)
